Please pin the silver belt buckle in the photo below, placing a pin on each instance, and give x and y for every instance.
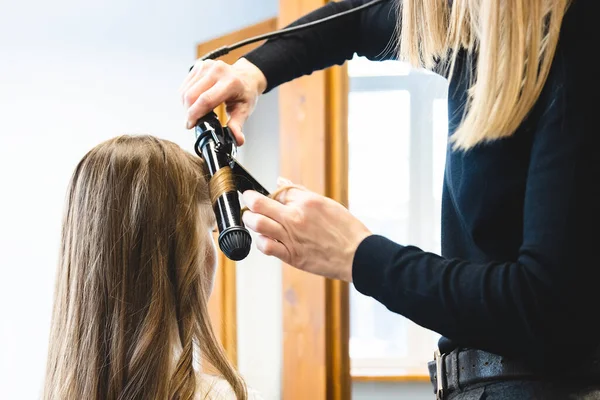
(439, 370)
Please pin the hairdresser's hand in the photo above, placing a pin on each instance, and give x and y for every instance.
(211, 83)
(308, 231)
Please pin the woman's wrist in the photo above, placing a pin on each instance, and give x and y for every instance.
(254, 74)
(354, 250)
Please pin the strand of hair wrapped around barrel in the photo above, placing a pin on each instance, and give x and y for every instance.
(222, 182)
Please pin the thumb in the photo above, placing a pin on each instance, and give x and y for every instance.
(236, 121)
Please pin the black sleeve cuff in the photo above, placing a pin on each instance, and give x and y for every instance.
(371, 260)
(262, 57)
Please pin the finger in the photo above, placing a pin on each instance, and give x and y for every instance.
(288, 193)
(273, 248)
(187, 82)
(264, 225)
(281, 181)
(200, 68)
(207, 101)
(193, 76)
(259, 204)
(238, 116)
(198, 87)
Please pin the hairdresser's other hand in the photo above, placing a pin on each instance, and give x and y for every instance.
(211, 83)
(306, 230)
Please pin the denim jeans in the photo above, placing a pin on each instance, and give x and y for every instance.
(528, 390)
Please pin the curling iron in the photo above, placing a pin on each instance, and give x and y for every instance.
(216, 145)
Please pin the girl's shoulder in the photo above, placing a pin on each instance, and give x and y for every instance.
(216, 388)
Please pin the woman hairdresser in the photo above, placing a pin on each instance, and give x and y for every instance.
(514, 293)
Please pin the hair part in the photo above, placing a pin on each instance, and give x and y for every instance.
(513, 41)
(137, 260)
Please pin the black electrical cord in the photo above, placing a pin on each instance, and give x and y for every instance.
(221, 51)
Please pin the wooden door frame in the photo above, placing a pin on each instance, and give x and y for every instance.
(339, 382)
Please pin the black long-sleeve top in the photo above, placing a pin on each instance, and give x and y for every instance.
(519, 274)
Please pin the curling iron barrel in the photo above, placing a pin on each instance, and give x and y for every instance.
(215, 145)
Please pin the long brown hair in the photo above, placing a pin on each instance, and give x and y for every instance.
(515, 42)
(137, 259)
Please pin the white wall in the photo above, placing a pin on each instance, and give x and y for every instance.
(74, 73)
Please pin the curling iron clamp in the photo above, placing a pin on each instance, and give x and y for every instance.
(216, 145)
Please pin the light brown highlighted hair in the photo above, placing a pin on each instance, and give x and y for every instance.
(137, 260)
(514, 42)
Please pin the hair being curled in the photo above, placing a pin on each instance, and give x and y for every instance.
(137, 260)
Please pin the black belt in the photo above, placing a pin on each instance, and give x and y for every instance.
(465, 367)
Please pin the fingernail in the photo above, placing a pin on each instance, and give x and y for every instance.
(188, 125)
(245, 195)
(281, 181)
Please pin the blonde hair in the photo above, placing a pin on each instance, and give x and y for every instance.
(137, 260)
(513, 41)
